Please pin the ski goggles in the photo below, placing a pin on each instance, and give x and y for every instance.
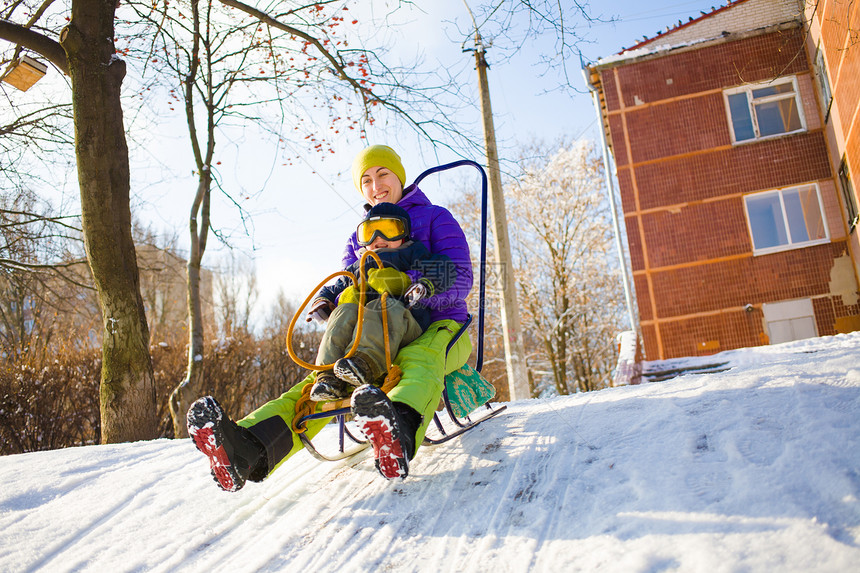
(388, 227)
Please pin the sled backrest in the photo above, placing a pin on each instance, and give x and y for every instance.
(482, 255)
(466, 389)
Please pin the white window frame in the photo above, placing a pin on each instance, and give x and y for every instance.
(790, 245)
(748, 90)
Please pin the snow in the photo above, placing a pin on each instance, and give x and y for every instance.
(753, 465)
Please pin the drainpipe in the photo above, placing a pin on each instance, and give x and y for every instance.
(610, 186)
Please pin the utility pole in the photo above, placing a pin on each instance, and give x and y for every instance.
(515, 356)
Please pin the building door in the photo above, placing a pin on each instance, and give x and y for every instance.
(790, 320)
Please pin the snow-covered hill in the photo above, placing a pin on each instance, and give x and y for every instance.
(753, 468)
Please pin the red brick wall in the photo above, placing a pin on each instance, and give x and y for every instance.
(637, 258)
(732, 283)
(649, 342)
(713, 296)
(625, 187)
(848, 92)
(833, 28)
(697, 233)
(768, 164)
(734, 329)
(828, 309)
(687, 125)
(616, 129)
(643, 296)
(610, 90)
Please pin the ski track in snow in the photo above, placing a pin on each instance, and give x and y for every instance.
(753, 468)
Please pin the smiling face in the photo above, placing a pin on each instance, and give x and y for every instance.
(381, 185)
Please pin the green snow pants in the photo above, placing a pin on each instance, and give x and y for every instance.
(424, 367)
(343, 325)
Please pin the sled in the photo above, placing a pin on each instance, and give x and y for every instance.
(455, 425)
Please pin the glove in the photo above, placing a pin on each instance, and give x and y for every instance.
(420, 290)
(388, 280)
(320, 310)
(349, 295)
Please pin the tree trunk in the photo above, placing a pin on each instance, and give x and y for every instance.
(198, 226)
(533, 393)
(187, 391)
(127, 394)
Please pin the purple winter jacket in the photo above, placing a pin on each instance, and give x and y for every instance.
(436, 227)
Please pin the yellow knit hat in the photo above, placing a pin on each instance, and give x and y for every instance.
(377, 155)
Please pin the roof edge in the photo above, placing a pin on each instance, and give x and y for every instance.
(642, 54)
(643, 43)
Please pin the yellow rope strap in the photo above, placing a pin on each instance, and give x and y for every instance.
(305, 406)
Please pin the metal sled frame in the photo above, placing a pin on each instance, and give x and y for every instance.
(460, 425)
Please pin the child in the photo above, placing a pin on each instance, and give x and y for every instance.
(410, 273)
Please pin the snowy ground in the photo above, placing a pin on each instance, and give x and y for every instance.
(755, 468)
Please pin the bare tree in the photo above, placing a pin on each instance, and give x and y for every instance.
(569, 290)
(235, 293)
(37, 260)
(84, 49)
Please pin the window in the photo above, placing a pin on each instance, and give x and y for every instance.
(848, 195)
(823, 82)
(785, 219)
(769, 109)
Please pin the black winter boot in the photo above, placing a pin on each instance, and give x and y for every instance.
(356, 370)
(389, 432)
(235, 454)
(410, 420)
(329, 387)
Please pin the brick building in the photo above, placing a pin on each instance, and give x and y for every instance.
(738, 229)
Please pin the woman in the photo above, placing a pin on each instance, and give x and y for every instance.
(394, 424)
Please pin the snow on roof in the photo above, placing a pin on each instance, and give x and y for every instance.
(733, 18)
(633, 54)
(680, 26)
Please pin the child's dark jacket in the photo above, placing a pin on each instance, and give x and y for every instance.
(412, 258)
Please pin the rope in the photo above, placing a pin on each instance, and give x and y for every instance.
(394, 373)
(305, 406)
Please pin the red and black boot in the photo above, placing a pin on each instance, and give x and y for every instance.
(235, 454)
(389, 426)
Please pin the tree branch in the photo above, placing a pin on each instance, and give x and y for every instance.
(43, 45)
(266, 19)
(339, 67)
